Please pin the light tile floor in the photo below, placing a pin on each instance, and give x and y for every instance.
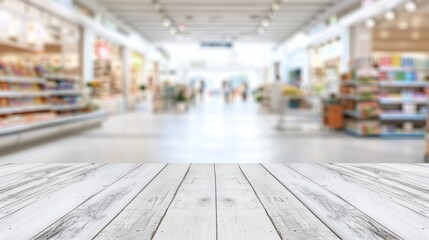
(214, 132)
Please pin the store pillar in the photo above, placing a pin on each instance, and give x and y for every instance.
(126, 76)
(345, 39)
(88, 55)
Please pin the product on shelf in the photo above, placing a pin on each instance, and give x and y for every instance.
(31, 94)
(400, 102)
(64, 100)
(364, 128)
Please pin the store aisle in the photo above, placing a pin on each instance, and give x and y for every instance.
(214, 132)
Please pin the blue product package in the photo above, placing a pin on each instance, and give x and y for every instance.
(391, 76)
(408, 76)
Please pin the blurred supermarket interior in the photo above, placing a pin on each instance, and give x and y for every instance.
(214, 81)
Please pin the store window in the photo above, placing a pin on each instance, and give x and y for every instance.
(107, 69)
(137, 73)
(325, 62)
(39, 66)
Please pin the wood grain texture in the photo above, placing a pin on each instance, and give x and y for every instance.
(33, 175)
(401, 194)
(399, 219)
(409, 168)
(16, 168)
(411, 180)
(240, 215)
(192, 214)
(291, 218)
(87, 220)
(142, 216)
(345, 220)
(206, 201)
(25, 194)
(44, 212)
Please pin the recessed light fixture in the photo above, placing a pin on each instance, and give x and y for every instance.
(411, 6)
(384, 34)
(173, 30)
(166, 22)
(390, 16)
(403, 25)
(275, 6)
(260, 30)
(265, 22)
(248, 36)
(182, 27)
(370, 23)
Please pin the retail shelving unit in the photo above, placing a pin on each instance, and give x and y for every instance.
(65, 93)
(403, 83)
(38, 107)
(387, 97)
(26, 100)
(359, 94)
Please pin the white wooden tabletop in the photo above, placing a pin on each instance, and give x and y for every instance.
(214, 201)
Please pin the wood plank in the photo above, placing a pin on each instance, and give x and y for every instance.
(14, 168)
(413, 181)
(28, 176)
(240, 215)
(401, 220)
(192, 214)
(343, 219)
(409, 168)
(30, 220)
(87, 220)
(292, 219)
(403, 195)
(17, 198)
(142, 216)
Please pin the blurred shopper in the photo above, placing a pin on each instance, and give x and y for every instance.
(244, 90)
(202, 89)
(276, 95)
(226, 90)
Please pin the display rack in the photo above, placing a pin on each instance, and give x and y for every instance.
(35, 97)
(359, 95)
(386, 97)
(403, 83)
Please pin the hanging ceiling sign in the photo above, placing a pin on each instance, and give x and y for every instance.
(216, 45)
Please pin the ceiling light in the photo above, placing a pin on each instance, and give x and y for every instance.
(166, 22)
(173, 30)
(182, 27)
(415, 35)
(265, 22)
(275, 6)
(272, 14)
(248, 36)
(390, 16)
(403, 25)
(384, 34)
(411, 6)
(370, 23)
(260, 30)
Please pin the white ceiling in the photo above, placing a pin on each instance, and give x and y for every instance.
(219, 20)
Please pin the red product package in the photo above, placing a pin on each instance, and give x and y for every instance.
(382, 76)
